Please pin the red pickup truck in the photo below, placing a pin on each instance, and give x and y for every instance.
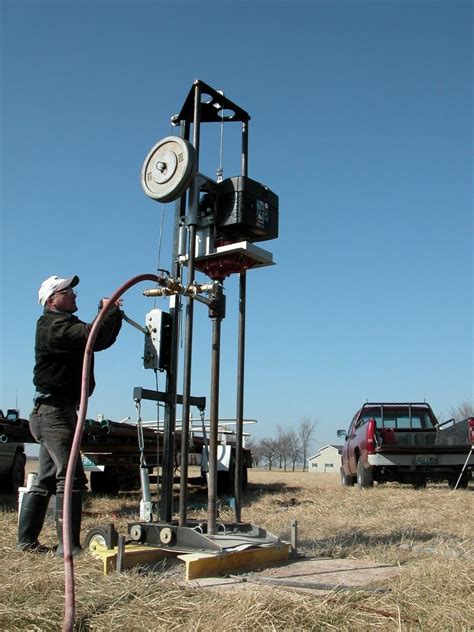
(404, 442)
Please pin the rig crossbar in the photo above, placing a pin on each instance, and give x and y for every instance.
(140, 393)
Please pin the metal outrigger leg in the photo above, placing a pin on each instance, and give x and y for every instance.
(464, 468)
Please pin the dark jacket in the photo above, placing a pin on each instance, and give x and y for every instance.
(59, 352)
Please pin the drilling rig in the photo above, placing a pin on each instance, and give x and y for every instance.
(217, 224)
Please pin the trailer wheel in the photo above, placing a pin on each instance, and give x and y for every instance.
(245, 476)
(105, 482)
(419, 482)
(16, 476)
(364, 475)
(225, 482)
(226, 479)
(346, 481)
(463, 483)
(101, 537)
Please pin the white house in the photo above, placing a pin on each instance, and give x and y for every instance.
(327, 460)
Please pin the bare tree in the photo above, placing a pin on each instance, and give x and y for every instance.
(464, 410)
(283, 446)
(269, 451)
(306, 428)
(255, 450)
(294, 448)
(278, 452)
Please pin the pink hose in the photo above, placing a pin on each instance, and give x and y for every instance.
(69, 601)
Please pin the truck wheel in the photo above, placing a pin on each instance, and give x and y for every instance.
(347, 481)
(364, 475)
(16, 476)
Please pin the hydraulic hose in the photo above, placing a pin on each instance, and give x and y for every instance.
(69, 597)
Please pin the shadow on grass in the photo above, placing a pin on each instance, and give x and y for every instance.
(347, 541)
(259, 489)
(128, 503)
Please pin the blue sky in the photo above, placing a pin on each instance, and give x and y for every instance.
(361, 123)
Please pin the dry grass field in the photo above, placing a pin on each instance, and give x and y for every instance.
(427, 533)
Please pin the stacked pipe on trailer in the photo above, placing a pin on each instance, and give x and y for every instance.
(106, 437)
(98, 436)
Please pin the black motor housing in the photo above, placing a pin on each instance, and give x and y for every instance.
(246, 210)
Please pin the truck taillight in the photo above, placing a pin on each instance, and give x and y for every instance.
(371, 436)
(470, 423)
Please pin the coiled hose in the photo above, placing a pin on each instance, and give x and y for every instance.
(69, 597)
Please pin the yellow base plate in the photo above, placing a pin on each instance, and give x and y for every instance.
(197, 564)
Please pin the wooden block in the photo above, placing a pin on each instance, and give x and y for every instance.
(134, 555)
(213, 564)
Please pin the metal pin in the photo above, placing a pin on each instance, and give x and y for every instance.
(294, 539)
(120, 553)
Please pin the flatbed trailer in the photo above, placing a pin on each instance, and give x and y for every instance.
(110, 452)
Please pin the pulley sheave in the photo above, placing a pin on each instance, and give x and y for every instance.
(168, 169)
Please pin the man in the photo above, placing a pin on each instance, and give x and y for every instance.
(59, 349)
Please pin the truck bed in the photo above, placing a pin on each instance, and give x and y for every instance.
(422, 441)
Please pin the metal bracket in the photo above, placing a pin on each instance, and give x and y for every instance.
(133, 323)
(215, 107)
(159, 396)
(194, 536)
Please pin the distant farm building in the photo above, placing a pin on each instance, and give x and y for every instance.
(327, 460)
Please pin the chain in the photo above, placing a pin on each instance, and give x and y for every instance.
(138, 406)
(202, 413)
(141, 441)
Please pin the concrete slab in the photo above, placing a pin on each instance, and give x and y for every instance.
(322, 575)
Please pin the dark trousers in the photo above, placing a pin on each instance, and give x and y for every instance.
(53, 428)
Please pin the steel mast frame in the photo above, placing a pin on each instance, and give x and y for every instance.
(202, 105)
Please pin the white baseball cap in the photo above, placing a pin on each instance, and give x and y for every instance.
(54, 284)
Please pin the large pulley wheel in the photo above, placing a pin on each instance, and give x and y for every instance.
(168, 169)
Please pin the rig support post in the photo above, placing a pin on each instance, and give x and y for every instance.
(241, 357)
(188, 336)
(166, 500)
(216, 313)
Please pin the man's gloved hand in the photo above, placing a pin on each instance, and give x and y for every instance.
(105, 301)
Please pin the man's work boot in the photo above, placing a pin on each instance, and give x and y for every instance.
(31, 520)
(76, 517)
